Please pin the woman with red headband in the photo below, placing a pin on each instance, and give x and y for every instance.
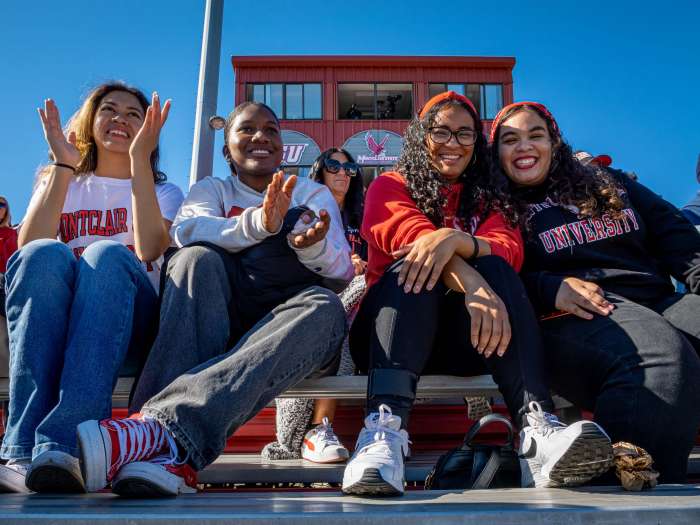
(444, 297)
(600, 249)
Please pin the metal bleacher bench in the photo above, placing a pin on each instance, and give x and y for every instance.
(351, 388)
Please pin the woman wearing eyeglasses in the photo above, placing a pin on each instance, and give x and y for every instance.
(304, 426)
(444, 297)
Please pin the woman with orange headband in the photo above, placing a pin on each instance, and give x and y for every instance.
(600, 251)
(444, 297)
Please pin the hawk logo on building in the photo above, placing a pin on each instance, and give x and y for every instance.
(373, 146)
(292, 153)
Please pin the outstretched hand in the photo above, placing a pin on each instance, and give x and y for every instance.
(146, 139)
(64, 150)
(277, 199)
(314, 233)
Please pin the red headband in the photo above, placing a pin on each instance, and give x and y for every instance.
(542, 108)
(441, 97)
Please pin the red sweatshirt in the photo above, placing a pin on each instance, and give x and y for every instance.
(392, 220)
(8, 245)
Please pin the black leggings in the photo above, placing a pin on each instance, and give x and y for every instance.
(638, 371)
(411, 334)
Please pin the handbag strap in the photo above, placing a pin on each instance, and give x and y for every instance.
(483, 481)
(488, 420)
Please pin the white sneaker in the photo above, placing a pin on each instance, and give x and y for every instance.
(321, 445)
(13, 476)
(158, 477)
(55, 472)
(555, 455)
(377, 466)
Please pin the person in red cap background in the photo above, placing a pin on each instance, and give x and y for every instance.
(444, 297)
(600, 248)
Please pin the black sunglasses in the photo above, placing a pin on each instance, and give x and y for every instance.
(333, 166)
(3, 205)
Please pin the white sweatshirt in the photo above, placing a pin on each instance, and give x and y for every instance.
(229, 214)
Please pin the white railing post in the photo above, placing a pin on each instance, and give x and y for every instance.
(207, 91)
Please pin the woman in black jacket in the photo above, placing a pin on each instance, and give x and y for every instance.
(600, 253)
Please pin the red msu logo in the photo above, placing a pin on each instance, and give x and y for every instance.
(292, 153)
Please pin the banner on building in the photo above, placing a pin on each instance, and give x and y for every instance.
(375, 147)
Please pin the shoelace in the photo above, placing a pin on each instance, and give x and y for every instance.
(325, 432)
(541, 421)
(145, 437)
(379, 443)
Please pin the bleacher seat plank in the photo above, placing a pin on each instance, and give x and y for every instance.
(679, 505)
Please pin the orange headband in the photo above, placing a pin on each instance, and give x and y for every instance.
(541, 107)
(441, 97)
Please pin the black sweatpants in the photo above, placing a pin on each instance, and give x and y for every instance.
(638, 371)
(397, 336)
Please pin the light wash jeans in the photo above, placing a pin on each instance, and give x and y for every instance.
(71, 324)
(200, 388)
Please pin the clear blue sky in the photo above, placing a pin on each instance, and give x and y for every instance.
(621, 77)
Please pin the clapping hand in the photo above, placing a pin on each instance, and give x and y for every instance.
(64, 150)
(277, 199)
(315, 233)
(146, 139)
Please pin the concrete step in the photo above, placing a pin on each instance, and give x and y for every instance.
(670, 504)
(250, 469)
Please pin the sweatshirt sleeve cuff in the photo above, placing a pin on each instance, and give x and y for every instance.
(548, 289)
(312, 252)
(258, 230)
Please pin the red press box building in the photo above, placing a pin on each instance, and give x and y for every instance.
(363, 103)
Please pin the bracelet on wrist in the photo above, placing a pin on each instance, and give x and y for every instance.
(62, 165)
(475, 252)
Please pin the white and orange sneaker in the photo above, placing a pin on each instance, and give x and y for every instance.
(321, 445)
(108, 445)
(156, 478)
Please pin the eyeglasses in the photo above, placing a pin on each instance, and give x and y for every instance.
(3, 205)
(440, 135)
(333, 166)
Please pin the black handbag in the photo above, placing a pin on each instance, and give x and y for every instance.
(477, 466)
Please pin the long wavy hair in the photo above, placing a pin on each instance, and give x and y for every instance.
(590, 189)
(482, 192)
(82, 123)
(7, 221)
(354, 198)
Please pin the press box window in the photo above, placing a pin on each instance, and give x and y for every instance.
(487, 98)
(375, 101)
(288, 101)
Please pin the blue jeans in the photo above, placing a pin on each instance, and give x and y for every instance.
(71, 325)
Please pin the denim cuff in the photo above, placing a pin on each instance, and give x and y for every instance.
(44, 447)
(15, 452)
(194, 457)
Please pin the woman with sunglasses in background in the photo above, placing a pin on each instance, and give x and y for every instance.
(298, 433)
(601, 250)
(444, 297)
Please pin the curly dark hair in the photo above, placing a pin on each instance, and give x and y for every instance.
(482, 191)
(354, 199)
(592, 190)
